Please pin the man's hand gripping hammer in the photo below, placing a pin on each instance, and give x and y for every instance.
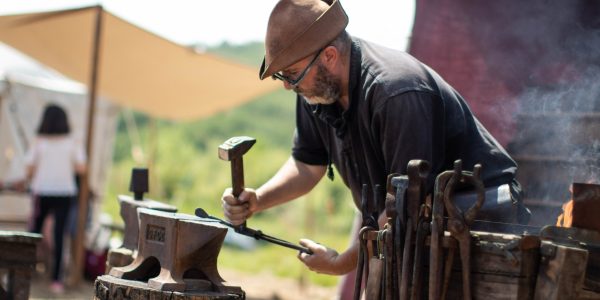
(233, 150)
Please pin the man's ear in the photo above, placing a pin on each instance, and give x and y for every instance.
(330, 55)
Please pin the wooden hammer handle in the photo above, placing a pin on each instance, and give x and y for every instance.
(237, 183)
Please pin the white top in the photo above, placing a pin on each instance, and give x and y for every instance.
(54, 159)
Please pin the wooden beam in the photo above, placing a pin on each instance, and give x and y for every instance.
(78, 255)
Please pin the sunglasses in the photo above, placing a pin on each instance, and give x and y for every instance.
(290, 81)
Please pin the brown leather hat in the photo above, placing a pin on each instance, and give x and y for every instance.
(298, 28)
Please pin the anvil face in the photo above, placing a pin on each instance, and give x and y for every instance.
(179, 243)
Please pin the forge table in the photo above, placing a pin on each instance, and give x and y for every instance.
(18, 257)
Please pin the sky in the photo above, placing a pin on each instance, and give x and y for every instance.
(187, 22)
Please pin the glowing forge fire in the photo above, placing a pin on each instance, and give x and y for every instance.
(566, 218)
(583, 209)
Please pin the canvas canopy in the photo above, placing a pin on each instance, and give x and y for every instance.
(136, 69)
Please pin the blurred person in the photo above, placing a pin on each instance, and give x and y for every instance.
(52, 162)
(366, 109)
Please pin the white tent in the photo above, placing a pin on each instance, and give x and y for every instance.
(22, 100)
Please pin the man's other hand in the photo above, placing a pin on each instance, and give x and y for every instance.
(238, 210)
(323, 260)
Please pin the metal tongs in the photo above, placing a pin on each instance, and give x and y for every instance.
(257, 234)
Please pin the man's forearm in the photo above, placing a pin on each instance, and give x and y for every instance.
(347, 260)
(293, 180)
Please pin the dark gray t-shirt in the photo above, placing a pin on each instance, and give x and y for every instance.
(399, 110)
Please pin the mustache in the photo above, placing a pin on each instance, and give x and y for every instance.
(325, 89)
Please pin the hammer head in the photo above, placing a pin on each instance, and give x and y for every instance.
(235, 147)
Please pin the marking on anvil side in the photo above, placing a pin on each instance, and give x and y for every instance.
(155, 233)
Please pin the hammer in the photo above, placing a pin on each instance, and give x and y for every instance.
(233, 150)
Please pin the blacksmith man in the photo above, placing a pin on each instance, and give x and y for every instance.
(366, 109)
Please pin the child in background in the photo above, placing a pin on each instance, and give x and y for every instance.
(52, 162)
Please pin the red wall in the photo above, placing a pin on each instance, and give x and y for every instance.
(493, 51)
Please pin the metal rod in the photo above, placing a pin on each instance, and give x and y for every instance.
(257, 234)
(285, 244)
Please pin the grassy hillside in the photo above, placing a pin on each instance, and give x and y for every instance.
(185, 171)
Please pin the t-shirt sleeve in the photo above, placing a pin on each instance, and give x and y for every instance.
(308, 144)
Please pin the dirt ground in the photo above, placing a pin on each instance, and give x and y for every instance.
(265, 286)
(261, 286)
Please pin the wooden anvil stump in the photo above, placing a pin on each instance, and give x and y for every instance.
(111, 288)
(18, 256)
(177, 252)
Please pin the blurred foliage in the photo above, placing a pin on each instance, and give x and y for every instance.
(185, 171)
(250, 53)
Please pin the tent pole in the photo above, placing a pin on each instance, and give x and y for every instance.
(77, 270)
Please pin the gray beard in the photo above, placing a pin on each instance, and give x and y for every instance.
(326, 89)
(319, 100)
